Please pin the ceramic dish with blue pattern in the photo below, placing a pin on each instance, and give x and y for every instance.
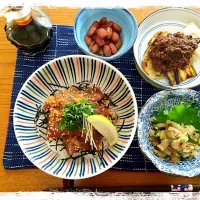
(51, 79)
(170, 20)
(167, 99)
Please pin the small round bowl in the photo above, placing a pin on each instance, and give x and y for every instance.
(123, 17)
(167, 99)
(67, 71)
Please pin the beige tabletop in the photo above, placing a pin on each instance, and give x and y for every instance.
(37, 180)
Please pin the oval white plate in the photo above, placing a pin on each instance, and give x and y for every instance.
(171, 20)
(67, 71)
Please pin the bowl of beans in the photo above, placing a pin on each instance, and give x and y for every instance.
(105, 33)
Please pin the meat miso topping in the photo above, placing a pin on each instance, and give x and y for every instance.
(172, 52)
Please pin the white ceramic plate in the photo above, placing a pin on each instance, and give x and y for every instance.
(171, 20)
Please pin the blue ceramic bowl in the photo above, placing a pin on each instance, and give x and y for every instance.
(167, 99)
(123, 17)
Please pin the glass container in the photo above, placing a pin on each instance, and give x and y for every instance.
(28, 28)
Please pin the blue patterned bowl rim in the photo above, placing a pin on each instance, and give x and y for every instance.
(178, 95)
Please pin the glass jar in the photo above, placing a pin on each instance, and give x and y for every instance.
(28, 28)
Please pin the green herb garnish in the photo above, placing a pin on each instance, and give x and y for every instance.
(191, 140)
(73, 114)
(183, 113)
(155, 132)
(170, 141)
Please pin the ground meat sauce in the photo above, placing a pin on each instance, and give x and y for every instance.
(74, 140)
(172, 52)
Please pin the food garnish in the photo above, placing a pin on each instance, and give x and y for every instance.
(103, 37)
(171, 55)
(74, 113)
(182, 113)
(104, 126)
(175, 133)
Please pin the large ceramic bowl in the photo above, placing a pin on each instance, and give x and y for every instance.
(171, 20)
(123, 17)
(67, 71)
(167, 99)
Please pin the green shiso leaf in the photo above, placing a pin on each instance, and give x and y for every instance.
(183, 113)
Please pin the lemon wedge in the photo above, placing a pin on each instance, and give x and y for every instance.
(105, 127)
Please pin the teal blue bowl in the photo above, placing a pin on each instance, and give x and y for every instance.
(123, 17)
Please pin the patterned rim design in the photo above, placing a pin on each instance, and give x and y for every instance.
(190, 83)
(67, 71)
(166, 99)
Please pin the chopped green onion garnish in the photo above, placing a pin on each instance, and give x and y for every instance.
(192, 140)
(155, 132)
(73, 114)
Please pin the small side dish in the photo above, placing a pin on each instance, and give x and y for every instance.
(175, 133)
(82, 117)
(103, 37)
(171, 55)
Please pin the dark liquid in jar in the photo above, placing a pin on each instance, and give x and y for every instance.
(32, 38)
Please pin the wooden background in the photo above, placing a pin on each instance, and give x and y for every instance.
(37, 180)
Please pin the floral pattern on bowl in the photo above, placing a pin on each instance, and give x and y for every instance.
(167, 99)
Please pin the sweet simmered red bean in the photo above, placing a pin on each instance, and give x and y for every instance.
(103, 21)
(115, 36)
(113, 48)
(96, 24)
(116, 27)
(109, 32)
(100, 41)
(101, 32)
(109, 24)
(93, 28)
(118, 44)
(91, 45)
(88, 40)
(100, 52)
(107, 51)
(95, 47)
(103, 37)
